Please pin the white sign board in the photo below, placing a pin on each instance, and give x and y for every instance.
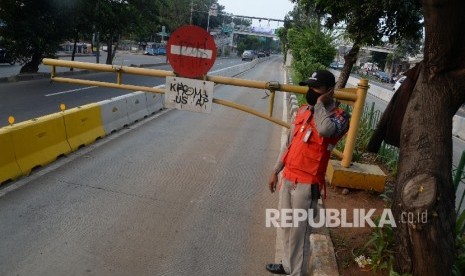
(189, 94)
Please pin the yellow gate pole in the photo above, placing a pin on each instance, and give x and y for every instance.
(272, 102)
(357, 112)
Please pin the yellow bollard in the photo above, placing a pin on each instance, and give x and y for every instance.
(357, 112)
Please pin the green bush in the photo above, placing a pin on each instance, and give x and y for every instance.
(311, 50)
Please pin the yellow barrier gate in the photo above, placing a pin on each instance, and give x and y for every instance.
(352, 96)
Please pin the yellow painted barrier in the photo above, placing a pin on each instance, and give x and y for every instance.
(39, 141)
(358, 176)
(9, 168)
(83, 125)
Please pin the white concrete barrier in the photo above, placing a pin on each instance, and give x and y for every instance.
(458, 127)
(136, 106)
(458, 123)
(114, 114)
(155, 102)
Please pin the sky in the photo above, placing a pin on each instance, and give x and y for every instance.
(275, 9)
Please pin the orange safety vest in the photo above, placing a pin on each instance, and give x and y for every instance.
(306, 161)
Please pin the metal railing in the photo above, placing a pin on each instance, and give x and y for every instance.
(352, 96)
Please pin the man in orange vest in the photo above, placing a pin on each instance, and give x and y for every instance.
(315, 131)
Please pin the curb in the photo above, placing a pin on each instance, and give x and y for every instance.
(322, 259)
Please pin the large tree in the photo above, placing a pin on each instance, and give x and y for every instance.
(33, 30)
(367, 22)
(424, 183)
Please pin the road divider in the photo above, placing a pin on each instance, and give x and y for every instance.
(137, 106)
(155, 102)
(114, 114)
(39, 141)
(458, 127)
(9, 168)
(83, 125)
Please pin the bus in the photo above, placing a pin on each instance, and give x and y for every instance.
(155, 49)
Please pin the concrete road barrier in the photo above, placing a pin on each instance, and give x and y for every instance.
(83, 125)
(154, 102)
(458, 127)
(40, 141)
(9, 168)
(114, 114)
(136, 106)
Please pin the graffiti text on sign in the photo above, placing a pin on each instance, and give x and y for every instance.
(189, 94)
(186, 93)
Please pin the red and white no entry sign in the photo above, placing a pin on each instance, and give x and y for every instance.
(191, 51)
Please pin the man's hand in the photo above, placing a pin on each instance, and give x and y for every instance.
(326, 98)
(273, 182)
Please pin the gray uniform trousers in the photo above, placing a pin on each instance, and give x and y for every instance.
(294, 240)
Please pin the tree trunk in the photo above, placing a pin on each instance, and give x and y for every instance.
(109, 50)
(424, 191)
(32, 66)
(74, 51)
(115, 49)
(424, 203)
(350, 59)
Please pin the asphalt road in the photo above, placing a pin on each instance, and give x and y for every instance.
(179, 194)
(29, 99)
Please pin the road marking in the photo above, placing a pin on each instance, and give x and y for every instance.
(70, 91)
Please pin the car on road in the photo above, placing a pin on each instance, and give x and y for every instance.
(261, 54)
(383, 76)
(398, 83)
(248, 55)
(336, 65)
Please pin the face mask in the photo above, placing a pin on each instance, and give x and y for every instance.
(312, 96)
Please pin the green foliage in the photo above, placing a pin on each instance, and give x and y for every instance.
(368, 21)
(379, 58)
(33, 29)
(459, 266)
(311, 50)
(379, 246)
(182, 8)
(248, 43)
